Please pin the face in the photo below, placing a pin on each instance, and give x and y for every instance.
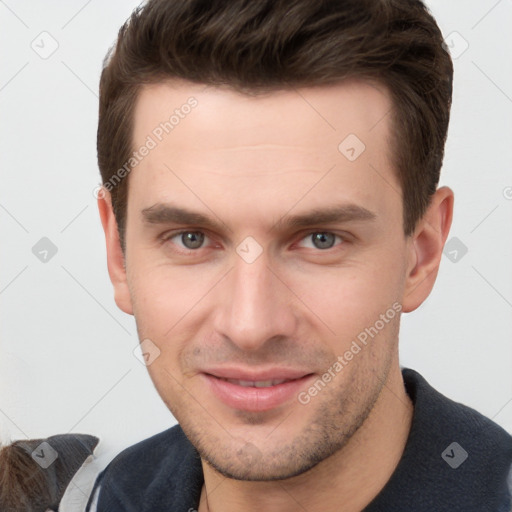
(265, 262)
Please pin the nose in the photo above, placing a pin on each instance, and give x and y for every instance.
(255, 306)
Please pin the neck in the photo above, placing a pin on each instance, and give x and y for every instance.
(346, 481)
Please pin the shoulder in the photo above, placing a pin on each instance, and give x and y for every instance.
(161, 468)
(455, 451)
(455, 459)
(439, 416)
(171, 443)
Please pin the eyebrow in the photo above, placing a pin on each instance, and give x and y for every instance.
(329, 215)
(161, 213)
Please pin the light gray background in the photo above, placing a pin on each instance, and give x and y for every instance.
(67, 360)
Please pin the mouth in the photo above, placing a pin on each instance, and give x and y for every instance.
(256, 383)
(254, 394)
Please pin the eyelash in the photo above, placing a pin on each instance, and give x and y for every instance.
(168, 236)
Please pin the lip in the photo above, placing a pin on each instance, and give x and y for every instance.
(252, 398)
(255, 375)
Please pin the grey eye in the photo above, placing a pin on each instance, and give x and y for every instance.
(323, 240)
(192, 239)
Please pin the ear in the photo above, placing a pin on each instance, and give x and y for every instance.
(115, 255)
(426, 249)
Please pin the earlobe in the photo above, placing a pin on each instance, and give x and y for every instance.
(115, 255)
(426, 249)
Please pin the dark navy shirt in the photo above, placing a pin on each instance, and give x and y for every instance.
(455, 460)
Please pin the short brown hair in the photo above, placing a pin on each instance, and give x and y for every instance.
(256, 46)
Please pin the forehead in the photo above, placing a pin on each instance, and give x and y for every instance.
(310, 114)
(216, 142)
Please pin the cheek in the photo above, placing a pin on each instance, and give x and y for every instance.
(170, 306)
(345, 300)
(162, 294)
(162, 308)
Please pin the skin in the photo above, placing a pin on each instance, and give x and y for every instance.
(248, 162)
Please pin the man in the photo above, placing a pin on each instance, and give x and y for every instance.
(270, 207)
